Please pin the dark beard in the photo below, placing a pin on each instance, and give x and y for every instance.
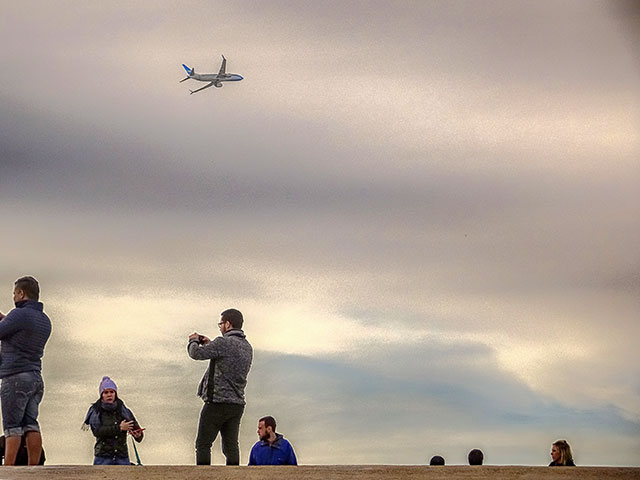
(265, 437)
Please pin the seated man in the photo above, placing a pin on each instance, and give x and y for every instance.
(21, 458)
(272, 448)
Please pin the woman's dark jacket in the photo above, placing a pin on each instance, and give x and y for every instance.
(105, 425)
(556, 464)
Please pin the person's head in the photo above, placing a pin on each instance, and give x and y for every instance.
(561, 452)
(436, 460)
(230, 319)
(108, 390)
(26, 288)
(476, 457)
(266, 427)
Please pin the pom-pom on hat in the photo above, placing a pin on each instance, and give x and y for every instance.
(107, 383)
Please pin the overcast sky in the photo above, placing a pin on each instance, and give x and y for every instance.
(427, 211)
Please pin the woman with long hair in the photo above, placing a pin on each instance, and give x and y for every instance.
(561, 455)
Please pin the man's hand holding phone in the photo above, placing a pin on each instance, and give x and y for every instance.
(202, 339)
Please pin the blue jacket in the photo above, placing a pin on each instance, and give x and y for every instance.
(23, 334)
(279, 453)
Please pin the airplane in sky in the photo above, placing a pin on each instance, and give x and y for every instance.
(215, 79)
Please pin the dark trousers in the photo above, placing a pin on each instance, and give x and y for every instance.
(224, 418)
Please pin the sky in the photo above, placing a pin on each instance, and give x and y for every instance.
(428, 213)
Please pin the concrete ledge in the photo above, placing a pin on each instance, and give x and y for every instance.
(366, 472)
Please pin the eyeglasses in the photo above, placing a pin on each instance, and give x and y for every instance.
(221, 323)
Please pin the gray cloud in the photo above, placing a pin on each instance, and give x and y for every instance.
(413, 395)
(452, 389)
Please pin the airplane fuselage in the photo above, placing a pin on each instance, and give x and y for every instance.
(214, 77)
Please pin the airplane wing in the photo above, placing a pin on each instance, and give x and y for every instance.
(202, 88)
(223, 67)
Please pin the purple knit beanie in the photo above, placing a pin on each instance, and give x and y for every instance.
(107, 383)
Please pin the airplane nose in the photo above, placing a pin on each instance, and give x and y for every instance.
(240, 77)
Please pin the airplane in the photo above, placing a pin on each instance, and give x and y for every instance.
(215, 79)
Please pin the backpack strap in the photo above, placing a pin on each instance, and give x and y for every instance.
(212, 371)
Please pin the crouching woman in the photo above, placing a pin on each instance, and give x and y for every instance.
(110, 421)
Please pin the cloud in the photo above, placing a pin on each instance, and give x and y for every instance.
(452, 390)
(445, 401)
(425, 392)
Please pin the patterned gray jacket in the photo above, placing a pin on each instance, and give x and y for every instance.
(230, 357)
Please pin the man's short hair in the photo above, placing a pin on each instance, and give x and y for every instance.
(269, 421)
(29, 286)
(476, 457)
(436, 460)
(233, 316)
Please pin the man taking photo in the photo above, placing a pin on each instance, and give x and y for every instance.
(222, 386)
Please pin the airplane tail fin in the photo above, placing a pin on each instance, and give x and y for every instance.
(190, 71)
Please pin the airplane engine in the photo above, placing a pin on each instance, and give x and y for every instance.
(218, 85)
